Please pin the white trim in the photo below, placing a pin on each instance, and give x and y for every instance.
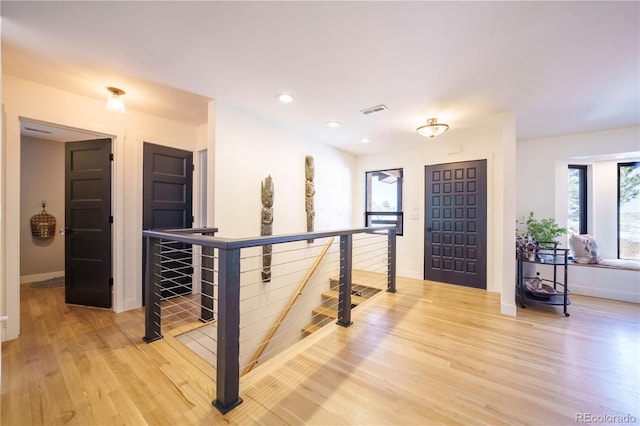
(198, 208)
(117, 228)
(606, 283)
(200, 188)
(508, 309)
(409, 274)
(13, 116)
(493, 282)
(40, 277)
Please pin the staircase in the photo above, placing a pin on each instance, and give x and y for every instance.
(327, 312)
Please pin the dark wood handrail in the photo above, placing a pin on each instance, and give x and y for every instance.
(238, 243)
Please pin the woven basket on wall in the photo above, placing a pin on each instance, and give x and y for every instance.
(43, 225)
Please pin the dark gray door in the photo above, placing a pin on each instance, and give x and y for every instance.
(88, 223)
(455, 243)
(167, 204)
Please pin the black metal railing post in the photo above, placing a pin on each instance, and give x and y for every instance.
(344, 289)
(391, 260)
(206, 276)
(228, 350)
(152, 314)
(224, 272)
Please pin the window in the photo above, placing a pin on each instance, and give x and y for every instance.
(577, 199)
(384, 199)
(629, 210)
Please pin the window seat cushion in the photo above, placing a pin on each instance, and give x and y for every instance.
(630, 264)
(634, 265)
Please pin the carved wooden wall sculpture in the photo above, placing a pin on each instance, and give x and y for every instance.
(267, 226)
(309, 192)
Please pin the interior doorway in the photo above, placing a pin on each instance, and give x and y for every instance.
(168, 204)
(455, 238)
(43, 147)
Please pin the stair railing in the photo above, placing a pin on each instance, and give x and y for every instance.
(285, 311)
(226, 275)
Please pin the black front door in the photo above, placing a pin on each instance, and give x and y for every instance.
(167, 204)
(455, 242)
(88, 223)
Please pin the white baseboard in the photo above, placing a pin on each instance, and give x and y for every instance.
(603, 293)
(130, 304)
(508, 309)
(40, 277)
(409, 274)
(606, 283)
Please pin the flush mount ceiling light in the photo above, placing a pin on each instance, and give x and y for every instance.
(286, 98)
(115, 103)
(432, 128)
(365, 140)
(333, 123)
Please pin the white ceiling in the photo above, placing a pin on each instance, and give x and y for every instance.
(562, 67)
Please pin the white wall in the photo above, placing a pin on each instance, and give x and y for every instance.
(248, 149)
(492, 139)
(542, 178)
(23, 99)
(604, 201)
(41, 178)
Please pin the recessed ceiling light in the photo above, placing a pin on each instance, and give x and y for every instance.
(333, 123)
(287, 98)
(365, 140)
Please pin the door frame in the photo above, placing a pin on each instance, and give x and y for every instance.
(495, 267)
(10, 269)
(485, 233)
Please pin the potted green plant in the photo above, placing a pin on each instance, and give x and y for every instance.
(532, 235)
(545, 232)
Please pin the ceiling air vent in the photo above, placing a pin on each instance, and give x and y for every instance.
(375, 109)
(38, 130)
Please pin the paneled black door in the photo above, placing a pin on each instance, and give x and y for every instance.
(88, 223)
(167, 204)
(455, 243)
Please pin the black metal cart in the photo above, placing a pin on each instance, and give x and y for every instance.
(555, 291)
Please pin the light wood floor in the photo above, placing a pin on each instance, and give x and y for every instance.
(429, 354)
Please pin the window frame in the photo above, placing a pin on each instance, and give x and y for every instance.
(582, 195)
(399, 214)
(620, 165)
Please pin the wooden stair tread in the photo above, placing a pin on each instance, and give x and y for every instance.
(187, 326)
(324, 314)
(311, 328)
(363, 279)
(334, 294)
(324, 311)
(335, 281)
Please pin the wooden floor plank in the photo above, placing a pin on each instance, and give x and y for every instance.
(428, 354)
